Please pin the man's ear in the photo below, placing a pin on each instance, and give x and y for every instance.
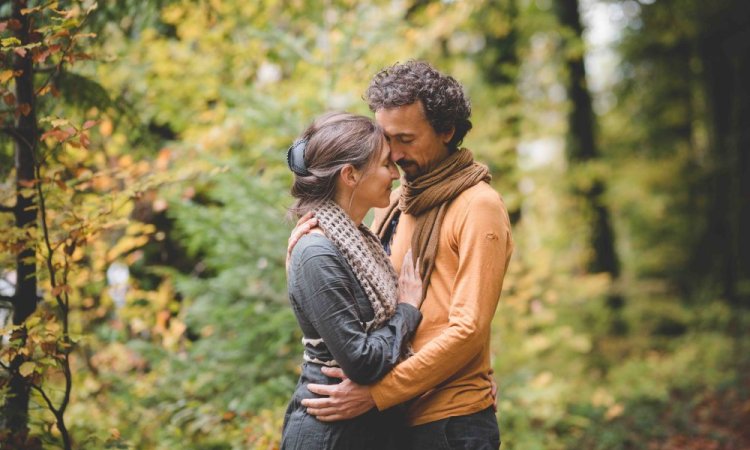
(349, 175)
(446, 136)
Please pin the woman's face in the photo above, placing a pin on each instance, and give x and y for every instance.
(374, 188)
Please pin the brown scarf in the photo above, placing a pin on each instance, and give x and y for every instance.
(427, 198)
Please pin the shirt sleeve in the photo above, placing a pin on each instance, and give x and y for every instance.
(326, 295)
(484, 246)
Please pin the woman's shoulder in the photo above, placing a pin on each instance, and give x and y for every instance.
(315, 257)
(314, 244)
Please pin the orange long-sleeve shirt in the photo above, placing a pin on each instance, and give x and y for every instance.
(449, 375)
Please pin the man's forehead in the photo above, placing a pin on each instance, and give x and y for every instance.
(401, 120)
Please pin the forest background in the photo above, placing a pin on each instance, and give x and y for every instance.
(143, 194)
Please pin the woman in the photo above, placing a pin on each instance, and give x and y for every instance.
(353, 311)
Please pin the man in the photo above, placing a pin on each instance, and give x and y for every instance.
(458, 228)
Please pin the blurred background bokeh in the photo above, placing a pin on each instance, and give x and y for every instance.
(143, 196)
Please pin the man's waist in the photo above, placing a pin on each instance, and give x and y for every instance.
(460, 397)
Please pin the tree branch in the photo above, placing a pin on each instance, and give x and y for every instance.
(46, 69)
(58, 68)
(45, 230)
(10, 131)
(63, 304)
(7, 209)
(13, 132)
(46, 398)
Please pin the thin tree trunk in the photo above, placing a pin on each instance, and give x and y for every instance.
(16, 408)
(581, 147)
(500, 65)
(714, 252)
(741, 123)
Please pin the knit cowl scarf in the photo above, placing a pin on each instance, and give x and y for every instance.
(365, 256)
(427, 198)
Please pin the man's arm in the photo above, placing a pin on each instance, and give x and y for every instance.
(345, 400)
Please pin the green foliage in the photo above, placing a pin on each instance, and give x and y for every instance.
(167, 156)
(242, 306)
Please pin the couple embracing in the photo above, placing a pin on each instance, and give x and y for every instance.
(395, 317)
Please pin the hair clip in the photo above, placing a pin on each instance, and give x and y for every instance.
(295, 158)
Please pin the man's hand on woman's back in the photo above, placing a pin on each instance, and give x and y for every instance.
(303, 226)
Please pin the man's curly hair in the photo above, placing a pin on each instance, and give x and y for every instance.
(443, 99)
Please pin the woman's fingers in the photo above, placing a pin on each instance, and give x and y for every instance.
(407, 266)
(416, 275)
(410, 283)
(407, 269)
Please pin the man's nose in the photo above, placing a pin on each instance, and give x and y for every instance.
(396, 154)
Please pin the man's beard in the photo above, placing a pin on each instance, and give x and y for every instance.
(409, 164)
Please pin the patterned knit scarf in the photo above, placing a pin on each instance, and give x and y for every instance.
(366, 257)
(427, 198)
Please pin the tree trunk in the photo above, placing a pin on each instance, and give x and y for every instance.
(741, 144)
(581, 148)
(725, 246)
(502, 49)
(723, 251)
(499, 62)
(26, 136)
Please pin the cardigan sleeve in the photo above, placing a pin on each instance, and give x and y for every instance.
(484, 245)
(325, 294)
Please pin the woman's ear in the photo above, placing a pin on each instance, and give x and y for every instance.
(349, 175)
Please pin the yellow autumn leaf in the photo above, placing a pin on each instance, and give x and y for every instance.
(602, 397)
(11, 41)
(27, 368)
(125, 245)
(27, 11)
(6, 75)
(106, 127)
(542, 380)
(614, 411)
(59, 122)
(33, 321)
